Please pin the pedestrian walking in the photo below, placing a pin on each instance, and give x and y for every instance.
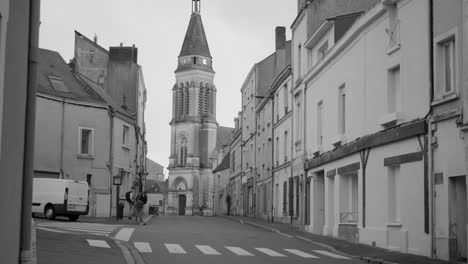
(131, 203)
(140, 201)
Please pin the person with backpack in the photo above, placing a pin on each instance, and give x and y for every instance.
(140, 201)
(131, 203)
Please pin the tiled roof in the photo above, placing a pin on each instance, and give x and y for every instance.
(223, 136)
(195, 42)
(53, 67)
(224, 164)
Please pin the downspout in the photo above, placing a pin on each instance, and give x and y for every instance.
(62, 136)
(111, 157)
(291, 210)
(304, 176)
(272, 157)
(27, 236)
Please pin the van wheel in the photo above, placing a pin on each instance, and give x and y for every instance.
(49, 212)
(73, 218)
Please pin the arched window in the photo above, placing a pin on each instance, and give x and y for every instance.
(187, 102)
(182, 153)
(201, 99)
(182, 102)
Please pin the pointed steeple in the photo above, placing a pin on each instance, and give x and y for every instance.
(195, 42)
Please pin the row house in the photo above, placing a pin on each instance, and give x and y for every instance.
(234, 187)
(85, 133)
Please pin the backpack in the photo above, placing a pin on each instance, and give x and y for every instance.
(141, 200)
(128, 198)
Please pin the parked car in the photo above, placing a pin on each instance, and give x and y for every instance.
(57, 197)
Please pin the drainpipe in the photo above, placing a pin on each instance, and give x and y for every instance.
(27, 238)
(272, 156)
(111, 157)
(62, 136)
(304, 176)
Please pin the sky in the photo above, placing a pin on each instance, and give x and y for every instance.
(239, 32)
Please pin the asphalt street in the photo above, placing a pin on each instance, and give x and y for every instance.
(193, 239)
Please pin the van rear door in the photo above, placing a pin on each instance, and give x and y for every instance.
(77, 196)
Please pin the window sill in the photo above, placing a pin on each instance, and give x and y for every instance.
(390, 119)
(390, 51)
(448, 97)
(125, 147)
(338, 140)
(392, 224)
(85, 156)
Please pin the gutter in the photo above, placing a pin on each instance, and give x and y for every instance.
(27, 236)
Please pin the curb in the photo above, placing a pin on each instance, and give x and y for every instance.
(325, 246)
(130, 253)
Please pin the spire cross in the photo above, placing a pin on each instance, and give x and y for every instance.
(196, 6)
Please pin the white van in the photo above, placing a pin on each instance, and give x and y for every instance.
(55, 197)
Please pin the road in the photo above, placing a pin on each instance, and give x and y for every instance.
(193, 239)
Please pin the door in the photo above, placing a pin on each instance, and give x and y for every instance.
(102, 207)
(182, 204)
(319, 202)
(307, 203)
(458, 218)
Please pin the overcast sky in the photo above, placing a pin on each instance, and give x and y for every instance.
(239, 32)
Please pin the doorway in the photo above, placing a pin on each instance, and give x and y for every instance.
(182, 204)
(458, 220)
(307, 202)
(331, 205)
(319, 202)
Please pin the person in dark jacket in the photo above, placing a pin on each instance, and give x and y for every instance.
(131, 203)
(140, 201)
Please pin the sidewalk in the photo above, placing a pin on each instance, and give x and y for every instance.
(364, 252)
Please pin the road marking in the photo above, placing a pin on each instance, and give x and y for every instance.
(300, 253)
(53, 230)
(175, 249)
(286, 235)
(143, 247)
(89, 230)
(239, 251)
(330, 254)
(270, 252)
(124, 234)
(98, 243)
(207, 250)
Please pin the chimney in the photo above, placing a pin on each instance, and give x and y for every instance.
(236, 122)
(280, 38)
(300, 5)
(95, 38)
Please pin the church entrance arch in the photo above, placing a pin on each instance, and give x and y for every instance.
(182, 204)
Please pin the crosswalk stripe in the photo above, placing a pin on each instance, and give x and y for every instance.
(124, 234)
(330, 254)
(300, 253)
(143, 247)
(175, 249)
(207, 250)
(98, 243)
(239, 251)
(270, 252)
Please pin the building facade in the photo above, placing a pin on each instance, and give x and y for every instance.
(195, 135)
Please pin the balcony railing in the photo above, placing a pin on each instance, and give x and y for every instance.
(349, 217)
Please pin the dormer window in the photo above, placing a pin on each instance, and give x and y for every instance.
(58, 84)
(205, 61)
(194, 60)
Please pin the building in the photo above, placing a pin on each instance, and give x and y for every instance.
(311, 15)
(19, 21)
(157, 197)
(235, 171)
(366, 97)
(221, 176)
(195, 134)
(155, 170)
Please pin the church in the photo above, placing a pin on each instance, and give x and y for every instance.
(195, 134)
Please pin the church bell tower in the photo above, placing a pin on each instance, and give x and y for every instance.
(193, 124)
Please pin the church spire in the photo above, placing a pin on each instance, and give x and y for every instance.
(195, 42)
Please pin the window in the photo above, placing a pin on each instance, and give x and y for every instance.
(299, 56)
(297, 118)
(296, 213)
(342, 110)
(125, 136)
(285, 98)
(319, 123)
(182, 155)
(85, 141)
(394, 102)
(322, 51)
(58, 84)
(393, 194)
(309, 59)
(277, 151)
(393, 30)
(89, 179)
(449, 65)
(285, 198)
(204, 61)
(285, 146)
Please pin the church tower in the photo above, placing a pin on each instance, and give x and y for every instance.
(193, 124)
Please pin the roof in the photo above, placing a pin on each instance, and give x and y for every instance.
(52, 67)
(224, 164)
(195, 42)
(223, 136)
(155, 187)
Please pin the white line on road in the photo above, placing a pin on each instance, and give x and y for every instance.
(124, 234)
(53, 230)
(286, 235)
(270, 252)
(207, 250)
(98, 243)
(300, 253)
(330, 254)
(87, 230)
(175, 249)
(239, 251)
(143, 247)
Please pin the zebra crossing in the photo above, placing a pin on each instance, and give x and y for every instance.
(145, 247)
(77, 227)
